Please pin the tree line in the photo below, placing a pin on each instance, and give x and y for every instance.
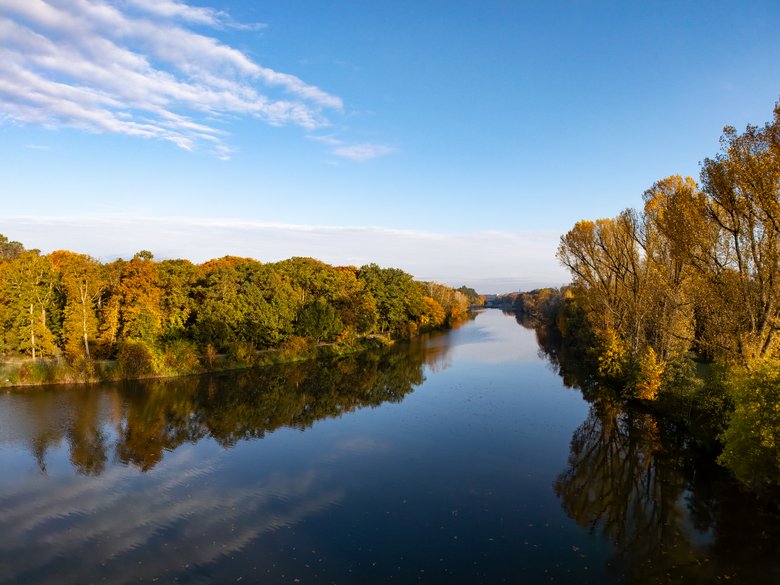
(698, 268)
(694, 275)
(173, 316)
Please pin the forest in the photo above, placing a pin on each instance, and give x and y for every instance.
(678, 304)
(67, 317)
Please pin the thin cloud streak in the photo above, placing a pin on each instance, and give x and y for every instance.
(491, 262)
(362, 152)
(354, 152)
(86, 64)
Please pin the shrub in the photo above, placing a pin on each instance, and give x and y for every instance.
(84, 369)
(181, 357)
(295, 347)
(136, 359)
(242, 353)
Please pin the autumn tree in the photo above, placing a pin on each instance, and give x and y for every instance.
(674, 236)
(140, 289)
(742, 185)
(454, 303)
(109, 307)
(28, 283)
(610, 274)
(82, 281)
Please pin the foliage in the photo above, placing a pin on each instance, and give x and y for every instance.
(136, 358)
(141, 317)
(697, 270)
(650, 371)
(181, 357)
(399, 299)
(612, 356)
(9, 250)
(318, 320)
(752, 438)
(242, 353)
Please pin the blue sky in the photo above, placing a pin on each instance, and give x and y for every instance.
(456, 140)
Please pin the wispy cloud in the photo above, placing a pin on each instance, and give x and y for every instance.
(488, 261)
(354, 152)
(135, 68)
(361, 152)
(192, 14)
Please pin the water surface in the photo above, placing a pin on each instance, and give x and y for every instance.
(460, 458)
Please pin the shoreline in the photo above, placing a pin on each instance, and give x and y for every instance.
(105, 369)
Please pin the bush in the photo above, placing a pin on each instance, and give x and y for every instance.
(296, 347)
(136, 359)
(181, 357)
(242, 353)
(84, 369)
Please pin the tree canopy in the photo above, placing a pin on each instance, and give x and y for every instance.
(167, 315)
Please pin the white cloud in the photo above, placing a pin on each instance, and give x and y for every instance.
(491, 262)
(173, 9)
(130, 68)
(362, 152)
(354, 152)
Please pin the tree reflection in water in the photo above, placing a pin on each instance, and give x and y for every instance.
(644, 484)
(135, 423)
(621, 482)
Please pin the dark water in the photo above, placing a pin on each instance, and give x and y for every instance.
(458, 459)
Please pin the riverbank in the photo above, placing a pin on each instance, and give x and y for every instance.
(20, 373)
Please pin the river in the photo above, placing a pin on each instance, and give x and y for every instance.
(458, 458)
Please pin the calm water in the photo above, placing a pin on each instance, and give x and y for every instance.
(459, 459)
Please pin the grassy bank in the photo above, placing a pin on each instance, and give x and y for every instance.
(137, 361)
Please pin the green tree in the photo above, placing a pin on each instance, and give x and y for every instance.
(752, 438)
(243, 300)
(318, 320)
(399, 299)
(337, 285)
(9, 250)
(27, 294)
(177, 279)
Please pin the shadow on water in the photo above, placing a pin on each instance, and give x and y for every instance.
(645, 485)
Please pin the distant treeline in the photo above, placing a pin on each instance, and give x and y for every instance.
(693, 276)
(175, 317)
